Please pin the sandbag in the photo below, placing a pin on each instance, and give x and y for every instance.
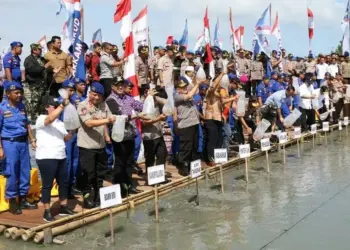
(148, 107)
(168, 108)
(225, 82)
(261, 129)
(200, 76)
(71, 118)
(241, 103)
(291, 118)
(118, 128)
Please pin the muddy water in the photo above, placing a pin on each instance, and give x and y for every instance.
(302, 205)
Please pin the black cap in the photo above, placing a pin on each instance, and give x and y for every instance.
(118, 80)
(48, 100)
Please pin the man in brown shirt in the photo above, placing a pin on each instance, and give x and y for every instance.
(165, 68)
(242, 63)
(60, 64)
(142, 66)
(310, 65)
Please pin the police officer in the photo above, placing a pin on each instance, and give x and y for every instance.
(263, 90)
(15, 130)
(92, 136)
(12, 63)
(72, 150)
(279, 84)
(80, 91)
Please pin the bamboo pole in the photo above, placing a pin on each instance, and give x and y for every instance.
(2, 228)
(137, 199)
(16, 234)
(9, 231)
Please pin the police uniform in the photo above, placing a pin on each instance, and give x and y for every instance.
(72, 150)
(263, 91)
(14, 133)
(13, 62)
(166, 65)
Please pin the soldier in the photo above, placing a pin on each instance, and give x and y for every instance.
(142, 66)
(15, 130)
(310, 65)
(35, 72)
(165, 68)
(187, 62)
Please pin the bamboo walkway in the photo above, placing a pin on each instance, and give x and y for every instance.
(30, 225)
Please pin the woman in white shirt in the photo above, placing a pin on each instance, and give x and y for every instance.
(51, 155)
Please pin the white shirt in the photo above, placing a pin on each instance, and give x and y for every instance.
(333, 69)
(321, 70)
(50, 139)
(306, 91)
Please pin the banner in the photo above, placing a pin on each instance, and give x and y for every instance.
(140, 28)
(78, 65)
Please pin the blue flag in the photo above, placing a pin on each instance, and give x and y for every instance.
(78, 52)
(97, 37)
(184, 39)
(268, 67)
(217, 40)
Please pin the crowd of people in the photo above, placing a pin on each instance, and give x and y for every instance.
(206, 113)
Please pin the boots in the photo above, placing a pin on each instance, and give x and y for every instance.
(27, 205)
(14, 207)
(88, 202)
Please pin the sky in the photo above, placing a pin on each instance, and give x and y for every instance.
(29, 20)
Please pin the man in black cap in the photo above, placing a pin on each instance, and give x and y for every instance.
(35, 71)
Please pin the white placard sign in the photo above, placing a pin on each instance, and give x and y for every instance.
(220, 155)
(313, 129)
(244, 151)
(346, 121)
(265, 144)
(297, 133)
(340, 125)
(325, 126)
(282, 137)
(156, 174)
(110, 196)
(196, 168)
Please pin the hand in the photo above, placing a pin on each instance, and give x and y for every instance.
(125, 59)
(65, 102)
(250, 131)
(2, 154)
(162, 117)
(112, 119)
(48, 64)
(281, 120)
(56, 70)
(152, 92)
(108, 139)
(33, 142)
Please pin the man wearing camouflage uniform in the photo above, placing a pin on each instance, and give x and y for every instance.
(35, 72)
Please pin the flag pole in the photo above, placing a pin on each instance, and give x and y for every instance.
(82, 23)
(149, 43)
(348, 12)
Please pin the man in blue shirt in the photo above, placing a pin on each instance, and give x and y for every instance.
(80, 91)
(15, 130)
(279, 84)
(278, 99)
(263, 90)
(12, 63)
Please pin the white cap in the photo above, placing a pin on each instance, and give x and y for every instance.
(189, 68)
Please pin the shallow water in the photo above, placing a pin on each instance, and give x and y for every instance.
(302, 205)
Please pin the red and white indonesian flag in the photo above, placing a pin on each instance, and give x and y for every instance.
(199, 43)
(42, 43)
(239, 34)
(234, 35)
(311, 26)
(140, 28)
(209, 57)
(123, 14)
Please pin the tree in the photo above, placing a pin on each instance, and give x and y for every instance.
(339, 49)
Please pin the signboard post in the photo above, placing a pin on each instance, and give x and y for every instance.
(244, 152)
(196, 169)
(282, 139)
(266, 146)
(346, 123)
(156, 175)
(110, 197)
(325, 128)
(313, 132)
(297, 135)
(220, 156)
